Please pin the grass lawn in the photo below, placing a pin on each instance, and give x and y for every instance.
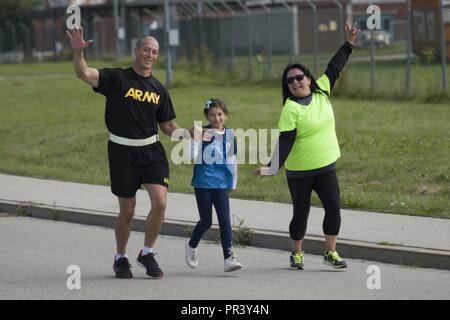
(395, 153)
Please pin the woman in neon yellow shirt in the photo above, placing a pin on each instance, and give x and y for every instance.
(308, 148)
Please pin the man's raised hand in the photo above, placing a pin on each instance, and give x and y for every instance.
(76, 39)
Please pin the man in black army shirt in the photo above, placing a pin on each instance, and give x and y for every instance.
(136, 102)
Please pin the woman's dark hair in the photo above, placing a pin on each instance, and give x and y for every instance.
(215, 103)
(284, 86)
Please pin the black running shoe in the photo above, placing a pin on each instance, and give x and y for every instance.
(148, 262)
(122, 268)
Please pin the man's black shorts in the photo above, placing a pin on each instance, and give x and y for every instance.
(130, 167)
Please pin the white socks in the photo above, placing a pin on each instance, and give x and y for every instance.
(118, 256)
(146, 250)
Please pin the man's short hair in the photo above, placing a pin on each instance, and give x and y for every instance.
(139, 42)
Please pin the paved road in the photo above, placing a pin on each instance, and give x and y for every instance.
(35, 254)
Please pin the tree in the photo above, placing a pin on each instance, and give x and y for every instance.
(17, 10)
(14, 15)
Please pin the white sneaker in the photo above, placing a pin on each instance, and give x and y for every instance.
(191, 256)
(231, 264)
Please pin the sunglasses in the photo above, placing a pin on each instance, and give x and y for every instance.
(298, 77)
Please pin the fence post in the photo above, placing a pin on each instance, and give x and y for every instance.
(222, 44)
(372, 62)
(341, 21)
(232, 50)
(1, 42)
(53, 33)
(27, 51)
(191, 15)
(167, 45)
(269, 37)
(116, 26)
(316, 36)
(293, 34)
(408, 49)
(250, 37)
(13, 38)
(442, 41)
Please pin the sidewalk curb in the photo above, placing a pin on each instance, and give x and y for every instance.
(407, 256)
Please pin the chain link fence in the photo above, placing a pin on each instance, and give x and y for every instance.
(254, 38)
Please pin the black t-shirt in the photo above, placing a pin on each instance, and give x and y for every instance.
(134, 107)
(134, 104)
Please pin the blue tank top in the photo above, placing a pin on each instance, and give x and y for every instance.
(215, 165)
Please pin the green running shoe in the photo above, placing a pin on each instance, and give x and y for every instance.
(333, 259)
(297, 260)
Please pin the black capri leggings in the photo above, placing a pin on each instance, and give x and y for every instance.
(327, 188)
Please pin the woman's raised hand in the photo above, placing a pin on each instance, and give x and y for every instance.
(351, 32)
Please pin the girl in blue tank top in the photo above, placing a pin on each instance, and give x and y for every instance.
(215, 173)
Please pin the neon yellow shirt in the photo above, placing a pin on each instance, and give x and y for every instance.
(316, 144)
